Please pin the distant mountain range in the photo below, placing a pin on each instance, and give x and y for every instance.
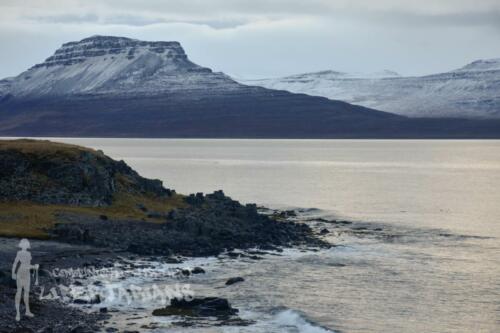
(472, 91)
(106, 86)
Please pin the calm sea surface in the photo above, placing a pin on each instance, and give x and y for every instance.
(422, 256)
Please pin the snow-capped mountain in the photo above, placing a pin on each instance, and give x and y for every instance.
(117, 65)
(472, 91)
(117, 86)
(106, 86)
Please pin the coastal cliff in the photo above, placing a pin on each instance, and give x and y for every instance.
(81, 196)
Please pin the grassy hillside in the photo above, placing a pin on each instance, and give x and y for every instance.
(33, 167)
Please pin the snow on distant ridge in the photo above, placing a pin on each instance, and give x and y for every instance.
(481, 66)
(472, 91)
(330, 74)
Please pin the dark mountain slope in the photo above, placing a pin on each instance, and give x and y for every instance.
(120, 87)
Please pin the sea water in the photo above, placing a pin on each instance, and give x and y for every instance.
(423, 253)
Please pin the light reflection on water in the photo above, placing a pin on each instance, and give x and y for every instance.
(430, 194)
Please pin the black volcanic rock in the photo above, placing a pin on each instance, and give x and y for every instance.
(234, 280)
(196, 230)
(198, 307)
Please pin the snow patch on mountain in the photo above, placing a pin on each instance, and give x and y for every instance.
(329, 74)
(115, 65)
(472, 91)
(481, 66)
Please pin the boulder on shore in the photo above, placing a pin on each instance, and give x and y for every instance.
(234, 280)
(198, 307)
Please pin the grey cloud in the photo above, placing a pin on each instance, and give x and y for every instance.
(221, 14)
(144, 21)
(130, 20)
(65, 18)
(407, 19)
(256, 38)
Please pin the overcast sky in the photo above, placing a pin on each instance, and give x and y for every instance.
(266, 38)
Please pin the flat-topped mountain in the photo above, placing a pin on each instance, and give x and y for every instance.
(115, 65)
(472, 91)
(106, 86)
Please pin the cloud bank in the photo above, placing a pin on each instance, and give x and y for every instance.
(263, 38)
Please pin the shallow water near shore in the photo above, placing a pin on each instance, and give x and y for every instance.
(422, 256)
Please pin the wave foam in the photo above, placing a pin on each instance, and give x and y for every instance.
(291, 319)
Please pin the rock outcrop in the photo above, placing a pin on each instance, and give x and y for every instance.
(81, 196)
(209, 226)
(50, 173)
(198, 307)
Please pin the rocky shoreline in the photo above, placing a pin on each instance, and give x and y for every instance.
(212, 224)
(89, 211)
(65, 252)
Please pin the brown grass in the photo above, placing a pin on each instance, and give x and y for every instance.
(44, 147)
(24, 219)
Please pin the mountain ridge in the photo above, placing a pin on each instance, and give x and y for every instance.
(106, 86)
(117, 65)
(472, 91)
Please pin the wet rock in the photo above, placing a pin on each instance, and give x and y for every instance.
(80, 301)
(94, 300)
(198, 270)
(255, 258)
(172, 260)
(324, 231)
(234, 280)
(255, 252)
(198, 307)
